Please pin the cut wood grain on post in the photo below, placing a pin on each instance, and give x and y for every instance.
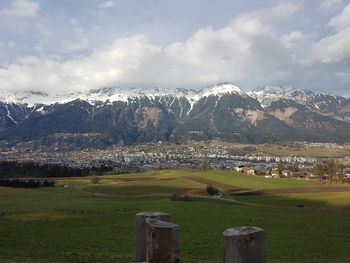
(244, 245)
(141, 249)
(162, 242)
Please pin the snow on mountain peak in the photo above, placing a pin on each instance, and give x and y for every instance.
(117, 94)
(265, 95)
(220, 89)
(29, 97)
(272, 90)
(315, 99)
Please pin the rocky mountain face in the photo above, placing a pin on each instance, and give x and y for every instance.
(223, 111)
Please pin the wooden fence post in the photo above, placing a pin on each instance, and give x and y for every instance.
(244, 245)
(141, 249)
(162, 242)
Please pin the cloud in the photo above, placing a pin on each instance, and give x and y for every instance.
(80, 45)
(107, 4)
(343, 20)
(248, 51)
(330, 4)
(290, 39)
(336, 48)
(105, 66)
(22, 8)
(282, 11)
(232, 53)
(245, 51)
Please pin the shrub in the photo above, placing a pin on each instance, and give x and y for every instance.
(211, 190)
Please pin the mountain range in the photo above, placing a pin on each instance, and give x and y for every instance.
(128, 115)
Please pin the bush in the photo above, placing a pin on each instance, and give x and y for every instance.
(211, 190)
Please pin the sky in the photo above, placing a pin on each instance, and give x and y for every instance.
(72, 45)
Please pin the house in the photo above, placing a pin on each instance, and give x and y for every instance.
(251, 172)
(301, 175)
(245, 169)
(275, 174)
(286, 173)
(248, 170)
(346, 172)
(239, 168)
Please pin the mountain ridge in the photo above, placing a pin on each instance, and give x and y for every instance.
(221, 111)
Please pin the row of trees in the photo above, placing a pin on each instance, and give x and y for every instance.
(33, 169)
(16, 169)
(23, 183)
(330, 167)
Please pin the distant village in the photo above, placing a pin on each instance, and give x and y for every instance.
(155, 156)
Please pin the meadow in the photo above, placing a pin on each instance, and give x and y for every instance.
(85, 222)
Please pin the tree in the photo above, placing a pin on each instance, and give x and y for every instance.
(204, 165)
(211, 190)
(340, 166)
(330, 167)
(319, 169)
(280, 167)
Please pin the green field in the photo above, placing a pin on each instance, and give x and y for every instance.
(95, 223)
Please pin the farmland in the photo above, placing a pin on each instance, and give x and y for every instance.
(85, 222)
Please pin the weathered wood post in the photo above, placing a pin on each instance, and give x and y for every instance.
(141, 249)
(162, 242)
(244, 245)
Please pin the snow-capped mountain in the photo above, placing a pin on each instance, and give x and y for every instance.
(267, 94)
(123, 93)
(221, 111)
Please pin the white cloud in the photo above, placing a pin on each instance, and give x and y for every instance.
(290, 39)
(330, 4)
(343, 20)
(80, 45)
(109, 65)
(247, 51)
(235, 52)
(282, 11)
(107, 4)
(22, 8)
(336, 48)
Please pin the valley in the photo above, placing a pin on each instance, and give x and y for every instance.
(92, 222)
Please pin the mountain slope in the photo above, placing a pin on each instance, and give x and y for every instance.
(222, 111)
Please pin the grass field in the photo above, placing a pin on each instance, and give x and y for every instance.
(95, 223)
